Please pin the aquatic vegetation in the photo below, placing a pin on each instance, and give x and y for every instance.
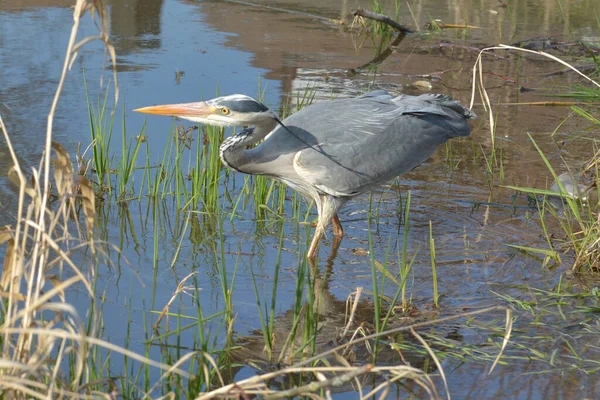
(579, 223)
(189, 169)
(222, 301)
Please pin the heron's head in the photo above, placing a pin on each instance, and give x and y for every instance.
(232, 110)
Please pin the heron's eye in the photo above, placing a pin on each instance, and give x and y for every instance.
(225, 111)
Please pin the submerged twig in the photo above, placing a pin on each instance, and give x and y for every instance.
(439, 25)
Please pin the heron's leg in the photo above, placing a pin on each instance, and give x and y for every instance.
(319, 231)
(314, 245)
(327, 212)
(335, 245)
(337, 226)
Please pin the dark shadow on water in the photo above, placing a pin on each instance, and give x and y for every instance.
(248, 354)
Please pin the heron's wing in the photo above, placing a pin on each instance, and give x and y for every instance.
(386, 139)
(438, 104)
(381, 94)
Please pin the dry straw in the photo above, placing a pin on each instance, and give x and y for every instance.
(43, 336)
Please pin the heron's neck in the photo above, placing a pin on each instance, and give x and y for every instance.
(233, 150)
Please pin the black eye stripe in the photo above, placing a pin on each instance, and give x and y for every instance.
(243, 106)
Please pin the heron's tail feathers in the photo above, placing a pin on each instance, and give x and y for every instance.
(446, 101)
(432, 103)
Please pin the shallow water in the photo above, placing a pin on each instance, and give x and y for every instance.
(178, 51)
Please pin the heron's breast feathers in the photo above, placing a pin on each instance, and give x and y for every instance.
(317, 175)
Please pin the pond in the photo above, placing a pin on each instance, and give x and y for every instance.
(246, 246)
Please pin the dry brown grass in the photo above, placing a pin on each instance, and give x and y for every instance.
(42, 335)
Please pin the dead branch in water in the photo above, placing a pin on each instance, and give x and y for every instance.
(383, 19)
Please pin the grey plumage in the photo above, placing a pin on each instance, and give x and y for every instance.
(385, 138)
(332, 150)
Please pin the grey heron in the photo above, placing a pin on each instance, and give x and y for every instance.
(333, 150)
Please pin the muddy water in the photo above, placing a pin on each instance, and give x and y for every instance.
(177, 51)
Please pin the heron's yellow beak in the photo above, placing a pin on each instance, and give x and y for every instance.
(200, 110)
